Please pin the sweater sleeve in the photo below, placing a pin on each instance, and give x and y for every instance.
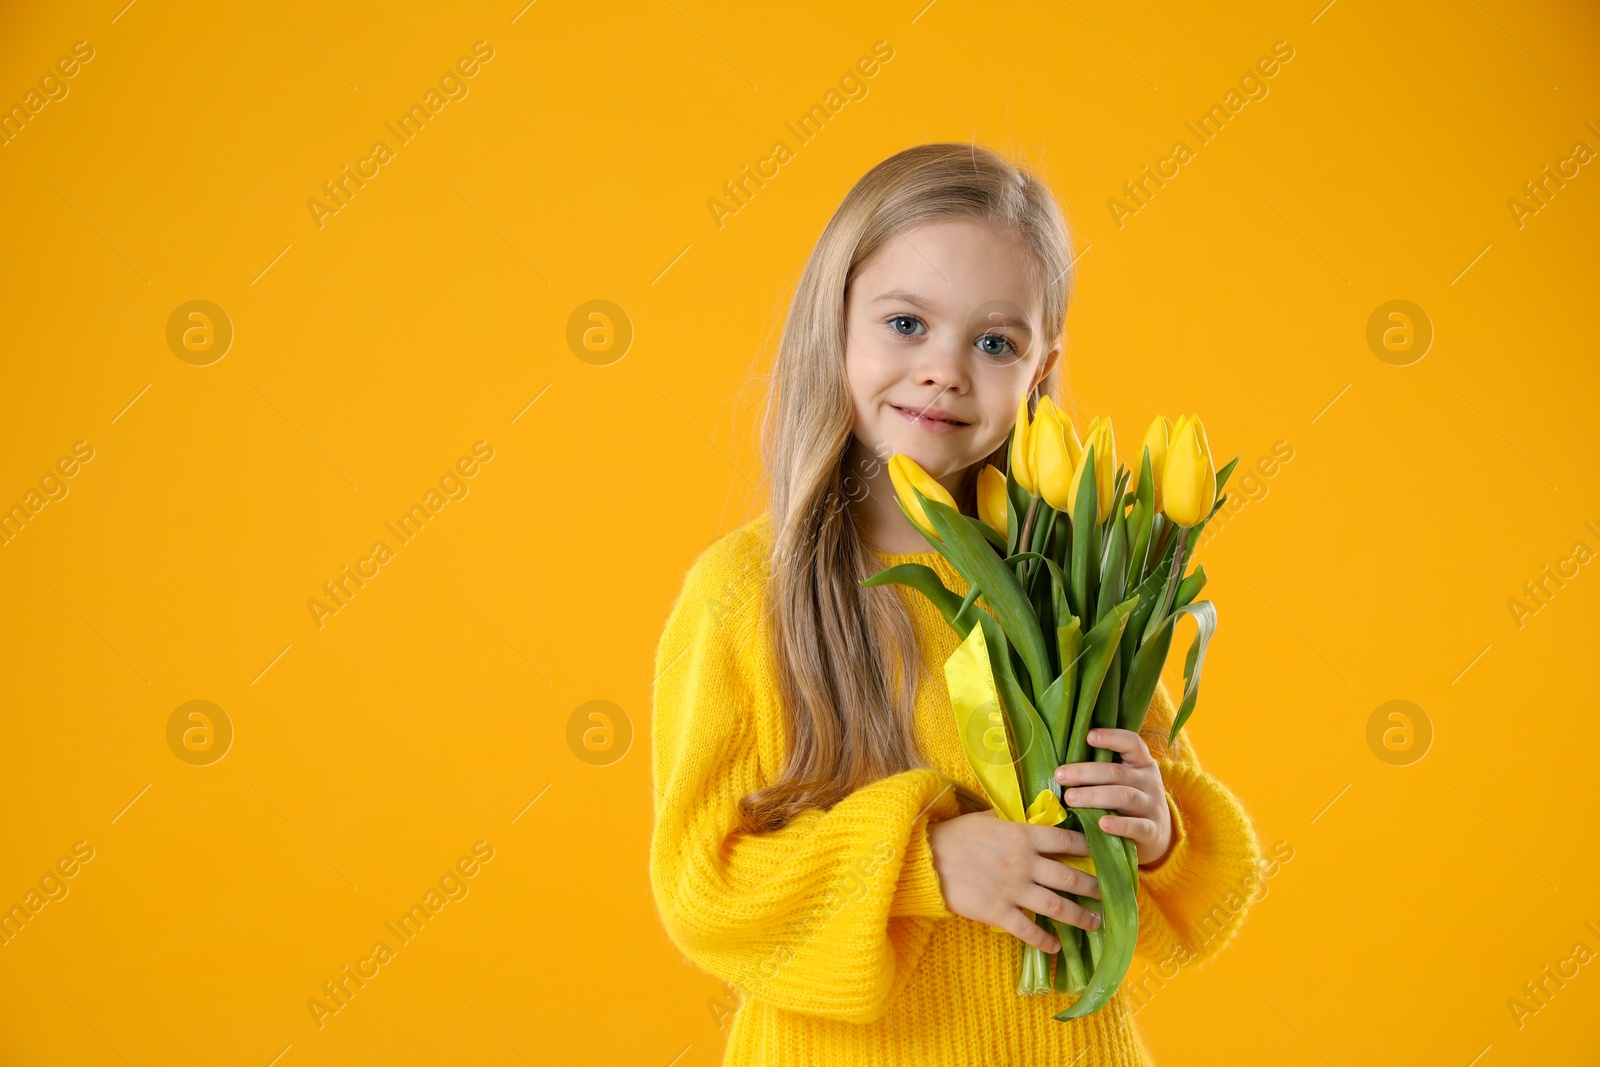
(830, 913)
(1193, 900)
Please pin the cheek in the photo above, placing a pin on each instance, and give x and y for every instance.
(868, 369)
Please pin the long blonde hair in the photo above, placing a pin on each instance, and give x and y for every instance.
(845, 654)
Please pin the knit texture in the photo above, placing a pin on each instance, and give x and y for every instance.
(833, 929)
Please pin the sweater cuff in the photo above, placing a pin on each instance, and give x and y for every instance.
(1168, 870)
(918, 892)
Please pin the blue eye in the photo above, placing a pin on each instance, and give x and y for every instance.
(1003, 345)
(996, 346)
(895, 322)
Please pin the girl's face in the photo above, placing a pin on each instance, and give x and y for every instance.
(944, 335)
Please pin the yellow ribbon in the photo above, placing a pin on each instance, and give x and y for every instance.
(982, 725)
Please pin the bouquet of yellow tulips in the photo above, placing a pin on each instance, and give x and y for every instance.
(1080, 565)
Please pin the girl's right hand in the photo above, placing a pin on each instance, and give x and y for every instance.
(991, 868)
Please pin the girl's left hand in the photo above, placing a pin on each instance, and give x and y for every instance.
(1133, 788)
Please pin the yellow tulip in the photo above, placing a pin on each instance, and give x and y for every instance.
(1055, 452)
(1046, 809)
(1156, 439)
(904, 472)
(1021, 457)
(1099, 435)
(992, 498)
(1189, 485)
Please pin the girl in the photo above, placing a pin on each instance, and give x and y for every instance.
(817, 841)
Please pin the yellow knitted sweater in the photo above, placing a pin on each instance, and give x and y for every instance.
(833, 929)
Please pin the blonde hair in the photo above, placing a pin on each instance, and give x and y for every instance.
(845, 655)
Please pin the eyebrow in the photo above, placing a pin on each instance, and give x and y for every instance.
(894, 296)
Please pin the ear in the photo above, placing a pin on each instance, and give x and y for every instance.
(1045, 366)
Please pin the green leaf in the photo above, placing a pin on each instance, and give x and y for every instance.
(1036, 767)
(925, 580)
(993, 536)
(1069, 639)
(1120, 909)
(1149, 593)
(1016, 505)
(1222, 475)
(1114, 569)
(1147, 668)
(1205, 617)
(1143, 674)
(973, 558)
(1106, 706)
(1083, 542)
(1191, 585)
(1100, 646)
(1052, 711)
(1145, 509)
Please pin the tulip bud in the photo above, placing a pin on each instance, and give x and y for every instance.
(1055, 453)
(1156, 439)
(1100, 436)
(1020, 459)
(992, 498)
(1189, 484)
(904, 473)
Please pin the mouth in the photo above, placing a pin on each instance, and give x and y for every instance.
(920, 417)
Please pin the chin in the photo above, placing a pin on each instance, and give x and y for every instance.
(930, 456)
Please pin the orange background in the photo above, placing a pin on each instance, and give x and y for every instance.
(370, 354)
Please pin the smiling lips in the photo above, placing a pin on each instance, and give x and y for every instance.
(933, 420)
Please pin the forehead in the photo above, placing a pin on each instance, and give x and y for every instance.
(954, 265)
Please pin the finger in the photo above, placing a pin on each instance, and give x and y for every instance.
(1134, 751)
(1092, 773)
(1053, 874)
(1056, 840)
(1141, 830)
(1042, 900)
(1025, 929)
(1121, 798)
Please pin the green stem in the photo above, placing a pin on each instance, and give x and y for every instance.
(1171, 586)
(1033, 976)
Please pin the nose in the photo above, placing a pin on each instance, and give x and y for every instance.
(942, 364)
